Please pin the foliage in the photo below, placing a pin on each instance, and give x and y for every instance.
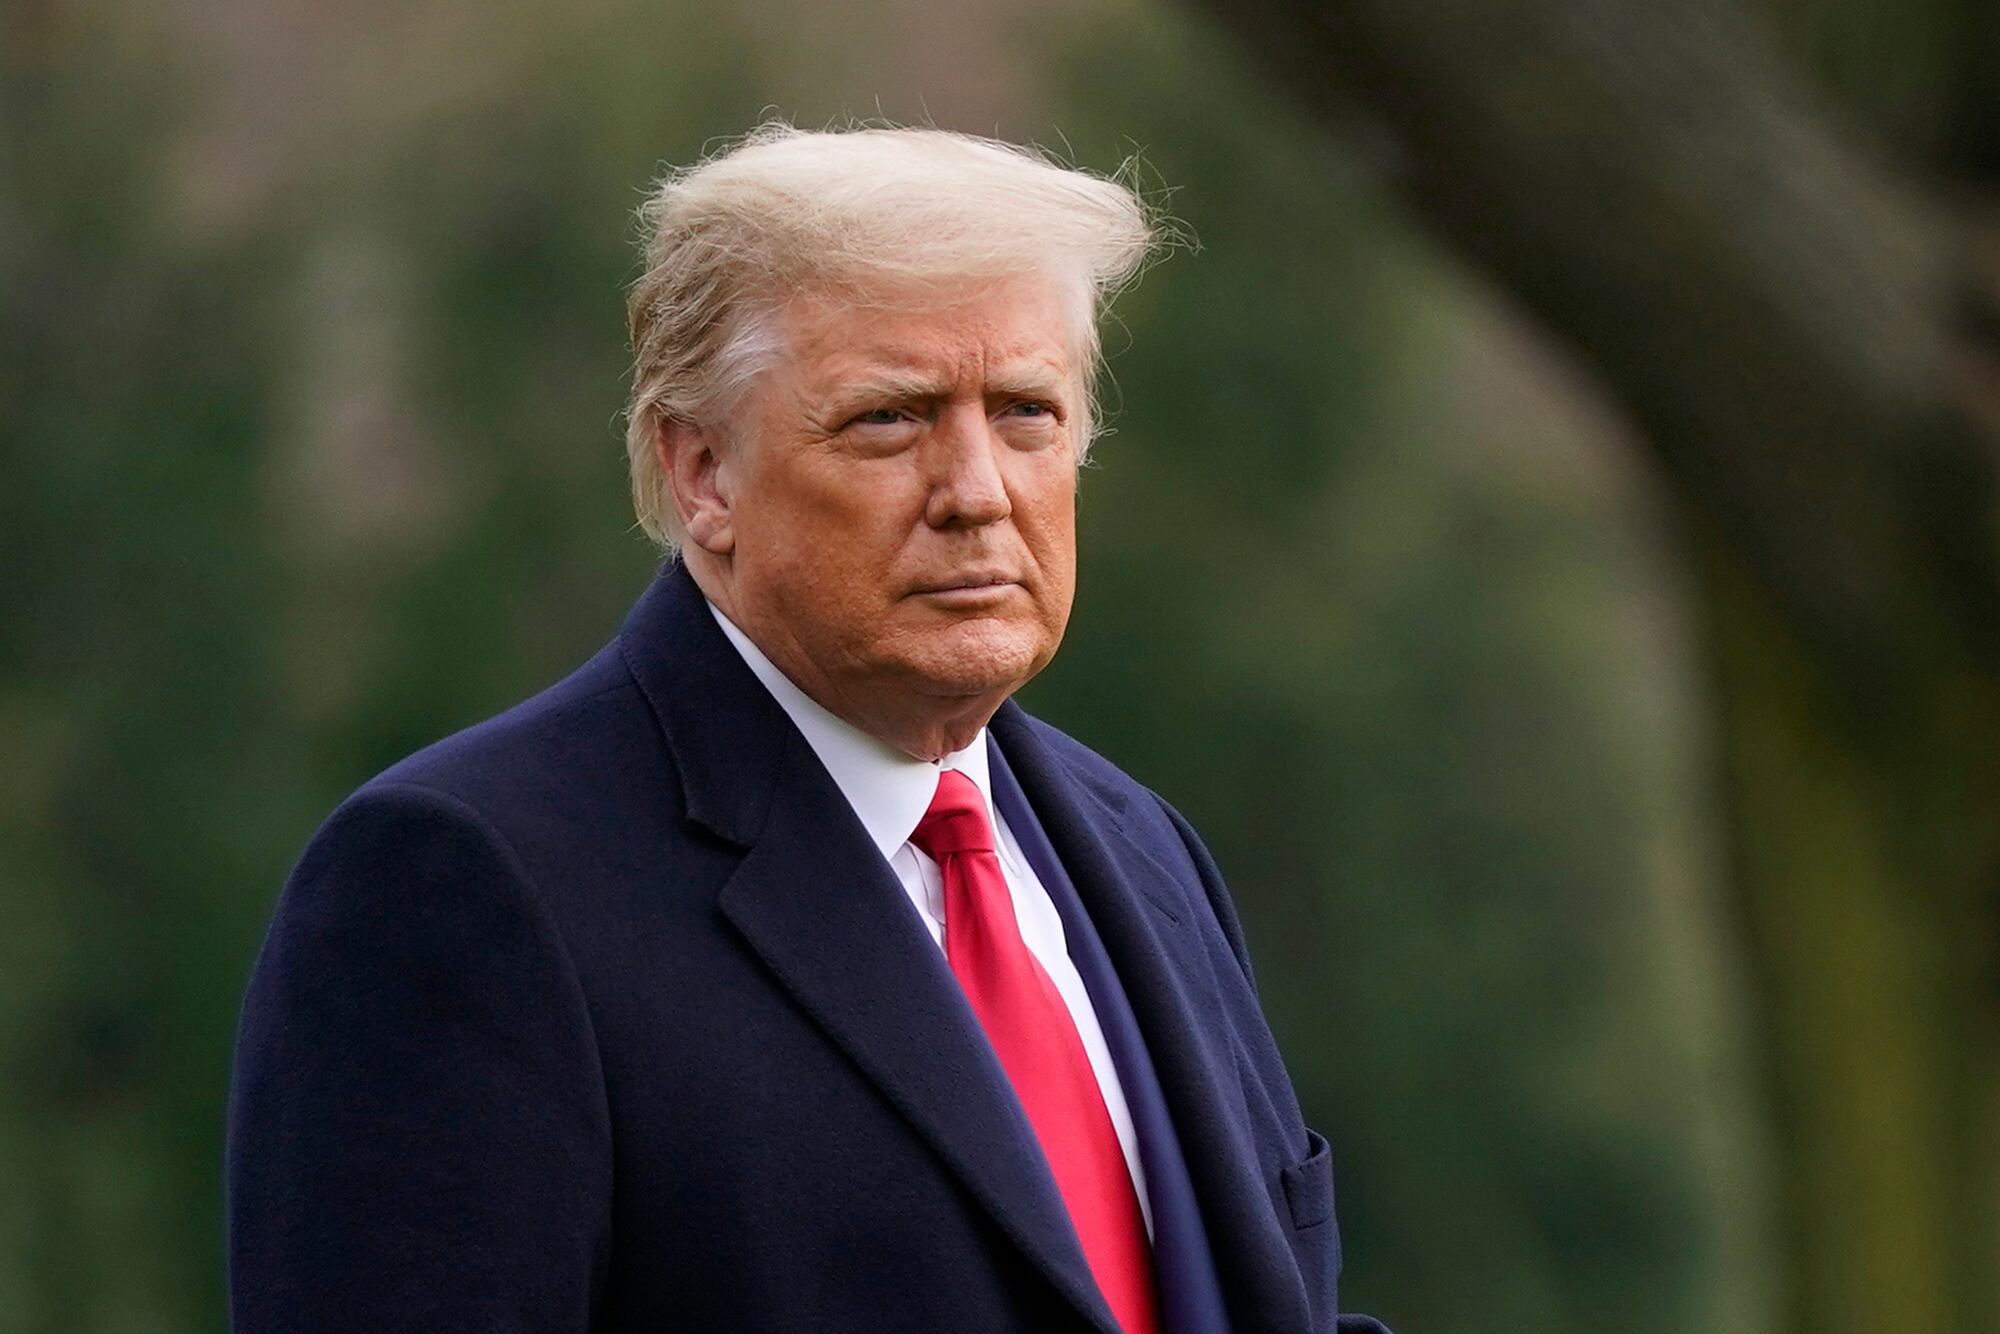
(312, 456)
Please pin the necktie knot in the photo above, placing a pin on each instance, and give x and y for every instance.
(956, 820)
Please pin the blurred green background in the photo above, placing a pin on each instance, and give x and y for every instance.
(1627, 922)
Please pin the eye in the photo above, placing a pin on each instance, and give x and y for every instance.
(1030, 409)
(877, 417)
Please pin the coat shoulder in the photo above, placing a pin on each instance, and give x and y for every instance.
(1156, 825)
(573, 777)
(1105, 780)
(581, 734)
(1144, 813)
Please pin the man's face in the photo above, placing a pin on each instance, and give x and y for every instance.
(901, 494)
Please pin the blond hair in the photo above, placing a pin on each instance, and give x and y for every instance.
(863, 211)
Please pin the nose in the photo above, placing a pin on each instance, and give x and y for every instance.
(967, 488)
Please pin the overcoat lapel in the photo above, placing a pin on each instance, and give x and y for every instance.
(840, 935)
(816, 902)
(1165, 973)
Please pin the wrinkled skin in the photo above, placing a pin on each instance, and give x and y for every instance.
(890, 512)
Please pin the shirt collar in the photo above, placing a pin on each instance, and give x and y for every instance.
(889, 791)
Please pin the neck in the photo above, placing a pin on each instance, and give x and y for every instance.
(925, 735)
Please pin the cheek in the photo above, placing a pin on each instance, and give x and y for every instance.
(831, 549)
(833, 515)
(1048, 526)
(1046, 513)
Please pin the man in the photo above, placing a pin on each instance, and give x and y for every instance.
(773, 971)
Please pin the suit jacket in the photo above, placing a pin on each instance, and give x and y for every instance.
(606, 1014)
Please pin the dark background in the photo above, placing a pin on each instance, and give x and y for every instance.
(1545, 545)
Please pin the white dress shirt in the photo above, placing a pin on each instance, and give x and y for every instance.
(890, 792)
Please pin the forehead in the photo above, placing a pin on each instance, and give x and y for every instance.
(1014, 325)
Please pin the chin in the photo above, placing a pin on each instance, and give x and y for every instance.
(979, 657)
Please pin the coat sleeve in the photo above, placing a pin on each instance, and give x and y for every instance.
(418, 1136)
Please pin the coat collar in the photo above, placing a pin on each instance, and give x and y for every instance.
(888, 790)
(724, 733)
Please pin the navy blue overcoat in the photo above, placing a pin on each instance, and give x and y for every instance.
(606, 1015)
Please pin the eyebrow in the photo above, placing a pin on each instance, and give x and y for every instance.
(1026, 378)
(897, 385)
(1034, 377)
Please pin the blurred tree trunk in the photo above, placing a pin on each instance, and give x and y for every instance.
(1812, 350)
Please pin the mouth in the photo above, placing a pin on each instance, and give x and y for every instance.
(963, 589)
(961, 582)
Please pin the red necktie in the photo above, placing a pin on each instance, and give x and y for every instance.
(1031, 1030)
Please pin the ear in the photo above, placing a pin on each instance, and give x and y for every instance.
(692, 463)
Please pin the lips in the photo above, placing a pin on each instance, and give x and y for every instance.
(962, 582)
